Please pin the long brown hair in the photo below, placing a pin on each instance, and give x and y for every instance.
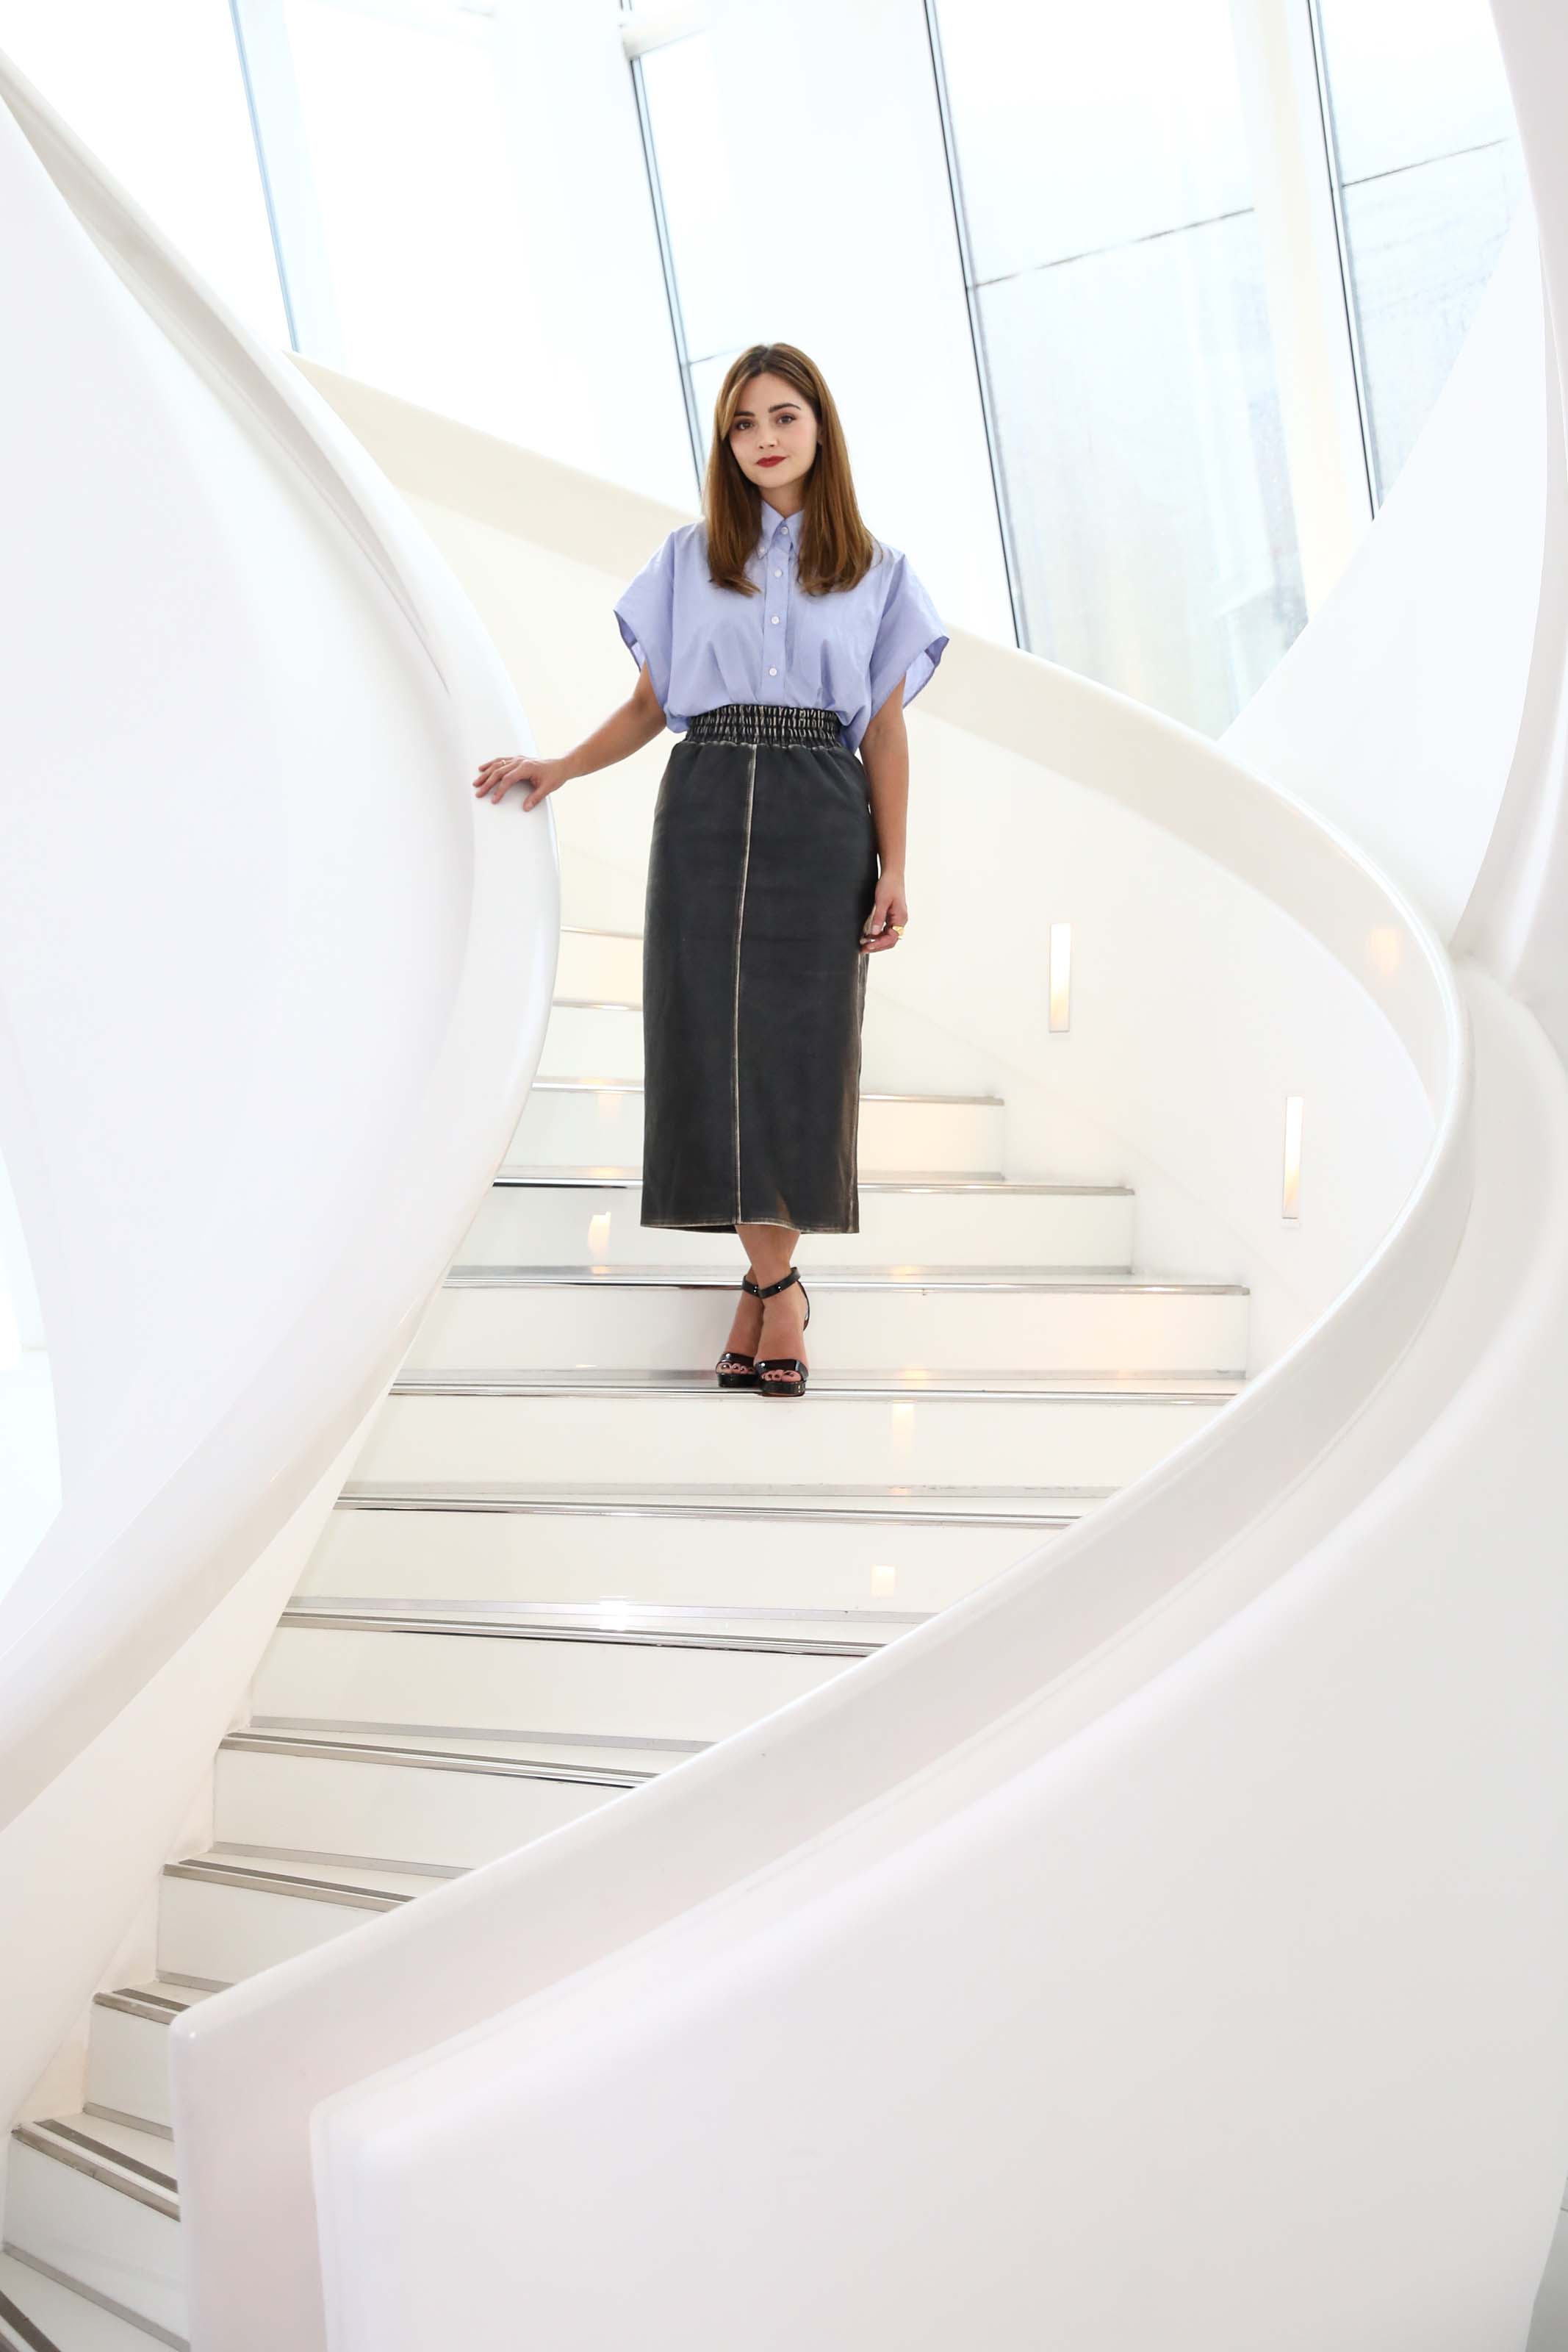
(836, 549)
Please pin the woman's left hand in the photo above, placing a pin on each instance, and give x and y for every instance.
(887, 918)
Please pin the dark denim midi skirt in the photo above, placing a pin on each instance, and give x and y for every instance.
(762, 870)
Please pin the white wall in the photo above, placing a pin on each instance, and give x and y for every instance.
(29, 1446)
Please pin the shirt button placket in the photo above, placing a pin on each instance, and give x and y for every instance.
(779, 595)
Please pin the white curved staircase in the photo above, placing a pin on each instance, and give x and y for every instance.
(1177, 1885)
(564, 1561)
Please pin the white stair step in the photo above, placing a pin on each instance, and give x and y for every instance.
(938, 1319)
(524, 1673)
(127, 2061)
(588, 1038)
(221, 1917)
(958, 1430)
(916, 1549)
(567, 1217)
(97, 2204)
(575, 1121)
(40, 2313)
(599, 965)
(402, 1801)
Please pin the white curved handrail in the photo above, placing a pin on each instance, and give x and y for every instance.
(180, 1480)
(529, 1921)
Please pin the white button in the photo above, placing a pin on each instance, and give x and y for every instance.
(775, 619)
(777, 573)
(773, 673)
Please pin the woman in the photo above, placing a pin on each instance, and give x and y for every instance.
(785, 642)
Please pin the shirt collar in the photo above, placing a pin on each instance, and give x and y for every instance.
(770, 520)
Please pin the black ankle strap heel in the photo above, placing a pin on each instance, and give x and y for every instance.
(764, 1364)
(733, 1369)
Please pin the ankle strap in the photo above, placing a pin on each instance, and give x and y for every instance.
(766, 1289)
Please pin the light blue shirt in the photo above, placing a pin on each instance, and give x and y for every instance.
(843, 652)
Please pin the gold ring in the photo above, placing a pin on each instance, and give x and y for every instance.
(899, 927)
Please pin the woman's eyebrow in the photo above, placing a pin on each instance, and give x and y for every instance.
(772, 407)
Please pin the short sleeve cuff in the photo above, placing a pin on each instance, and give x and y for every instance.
(910, 641)
(643, 651)
(916, 665)
(644, 614)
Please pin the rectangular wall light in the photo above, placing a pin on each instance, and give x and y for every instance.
(1291, 1200)
(1062, 975)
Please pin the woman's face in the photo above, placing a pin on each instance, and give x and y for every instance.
(774, 435)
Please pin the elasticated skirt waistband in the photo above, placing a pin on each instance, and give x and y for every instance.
(764, 722)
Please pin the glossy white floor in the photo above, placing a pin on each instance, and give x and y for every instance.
(566, 1560)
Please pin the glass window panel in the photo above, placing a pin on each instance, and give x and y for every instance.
(1411, 79)
(1118, 281)
(420, 209)
(707, 375)
(158, 96)
(698, 194)
(1135, 403)
(1083, 128)
(1429, 173)
(1425, 242)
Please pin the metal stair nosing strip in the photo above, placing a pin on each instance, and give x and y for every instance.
(240, 1853)
(38, 2338)
(868, 1094)
(491, 1627)
(1003, 1281)
(827, 1389)
(20, 2333)
(314, 1727)
(630, 1179)
(109, 2165)
(616, 1613)
(252, 1878)
(131, 2001)
(367, 1495)
(432, 1759)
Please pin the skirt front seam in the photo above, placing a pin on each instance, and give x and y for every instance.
(735, 1021)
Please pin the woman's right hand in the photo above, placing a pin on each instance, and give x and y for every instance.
(540, 778)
